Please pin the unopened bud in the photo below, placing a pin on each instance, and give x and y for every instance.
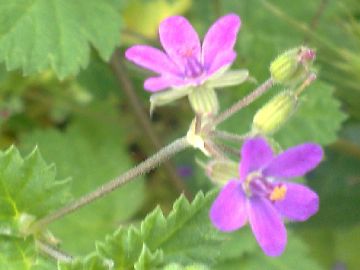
(221, 171)
(204, 101)
(292, 66)
(275, 113)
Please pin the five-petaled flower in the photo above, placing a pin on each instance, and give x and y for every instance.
(186, 64)
(261, 196)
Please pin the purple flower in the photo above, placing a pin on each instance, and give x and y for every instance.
(261, 196)
(185, 62)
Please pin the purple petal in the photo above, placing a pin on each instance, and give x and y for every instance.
(151, 58)
(299, 203)
(179, 40)
(155, 84)
(219, 41)
(255, 154)
(228, 212)
(222, 61)
(295, 161)
(267, 226)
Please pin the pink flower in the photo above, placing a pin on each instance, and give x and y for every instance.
(185, 62)
(261, 197)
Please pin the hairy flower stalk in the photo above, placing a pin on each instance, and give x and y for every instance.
(261, 196)
(144, 167)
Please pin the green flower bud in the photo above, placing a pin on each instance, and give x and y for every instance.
(275, 113)
(204, 101)
(221, 171)
(292, 66)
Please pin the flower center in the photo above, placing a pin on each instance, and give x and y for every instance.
(278, 193)
(256, 184)
(193, 67)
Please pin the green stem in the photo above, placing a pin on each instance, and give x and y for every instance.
(227, 136)
(247, 100)
(53, 252)
(128, 87)
(142, 168)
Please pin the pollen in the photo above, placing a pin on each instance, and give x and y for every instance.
(278, 193)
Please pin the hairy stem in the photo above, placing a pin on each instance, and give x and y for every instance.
(143, 118)
(53, 252)
(227, 136)
(261, 89)
(144, 167)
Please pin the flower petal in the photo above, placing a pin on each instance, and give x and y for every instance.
(255, 154)
(155, 84)
(151, 58)
(222, 61)
(299, 204)
(179, 40)
(219, 41)
(267, 226)
(295, 161)
(228, 212)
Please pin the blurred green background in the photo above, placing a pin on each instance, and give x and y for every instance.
(93, 123)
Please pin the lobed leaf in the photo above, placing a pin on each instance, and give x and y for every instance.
(91, 150)
(39, 34)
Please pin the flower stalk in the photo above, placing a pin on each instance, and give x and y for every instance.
(142, 168)
(247, 100)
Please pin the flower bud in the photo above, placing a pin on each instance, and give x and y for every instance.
(221, 171)
(292, 66)
(275, 113)
(204, 101)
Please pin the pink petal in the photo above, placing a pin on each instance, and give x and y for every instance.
(222, 61)
(155, 84)
(295, 161)
(267, 226)
(255, 154)
(219, 41)
(179, 40)
(228, 212)
(151, 58)
(299, 204)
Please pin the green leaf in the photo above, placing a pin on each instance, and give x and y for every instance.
(28, 190)
(90, 262)
(147, 260)
(91, 150)
(39, 34)
(295, 257)
(21, 254)
(185, 236)
(318, 119)
(337, 182)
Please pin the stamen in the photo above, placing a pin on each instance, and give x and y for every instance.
(278, 193)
